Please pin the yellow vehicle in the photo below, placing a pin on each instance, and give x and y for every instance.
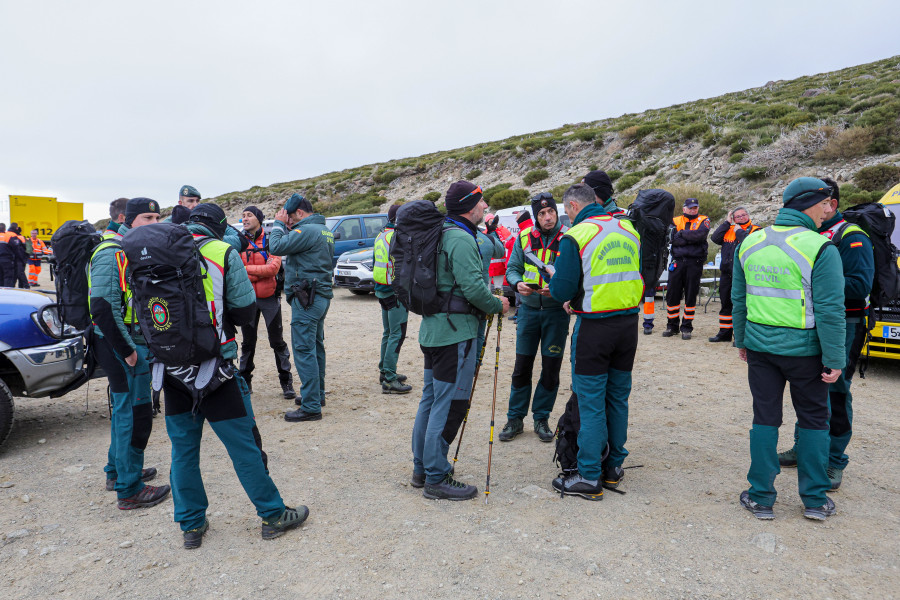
(43, 214)
(884, 339)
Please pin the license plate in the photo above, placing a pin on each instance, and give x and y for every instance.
(890, 332)
(344, 273)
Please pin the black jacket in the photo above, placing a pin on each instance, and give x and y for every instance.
(729, 247)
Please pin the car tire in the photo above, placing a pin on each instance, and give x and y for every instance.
(7, 409)
(360, 292)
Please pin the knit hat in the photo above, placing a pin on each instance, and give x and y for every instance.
(462, 197)
(392, 213)
(600, 182)
(522, 217)
(256, 213)
(691, 203)
(14, 227)
(180, 214)
(298, 202)
(804, 192)
(189, 191)
(542, 201)
(212, 217)
(139, 206)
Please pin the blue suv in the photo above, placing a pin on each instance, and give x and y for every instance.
(352, 232)
(39, 356)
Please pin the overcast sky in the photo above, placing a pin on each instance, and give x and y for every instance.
(105, 99)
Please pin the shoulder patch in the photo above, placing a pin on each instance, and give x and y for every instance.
(856, 244)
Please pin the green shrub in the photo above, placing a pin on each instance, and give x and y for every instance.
(877, 178)
(385, 177)
(593, 168)
(849, 143)
(540, 162)
(352, 204)
(432, 196)
(614, 174)
(472, 174)
(489, 193)
(472, 156)
(712, 205)
(694, 130)
(508, 199)
(753, 173)
(627, 181)
(851, 195)
(533, 177)
(740, 146)
(795, 118)
(736, 158)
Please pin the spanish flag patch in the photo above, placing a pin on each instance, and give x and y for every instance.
(856, 244)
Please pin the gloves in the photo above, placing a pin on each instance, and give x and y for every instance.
(492, 226)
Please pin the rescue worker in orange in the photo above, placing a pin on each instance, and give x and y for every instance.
(689, 247)
(38, 250)
(729, 235)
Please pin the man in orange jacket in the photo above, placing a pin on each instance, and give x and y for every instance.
(263, 269)
(38, 250)
(689, 247)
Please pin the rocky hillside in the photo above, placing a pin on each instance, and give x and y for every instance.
(740, 148)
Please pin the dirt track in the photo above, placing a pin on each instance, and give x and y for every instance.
(678, 532)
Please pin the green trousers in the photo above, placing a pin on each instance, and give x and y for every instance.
(393, 325)
(308, 341)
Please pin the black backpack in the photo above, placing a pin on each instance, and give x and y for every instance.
(565, 455)
(73, 244)
(414, 250)
(878, 223)
(651, 212)
(166, 273)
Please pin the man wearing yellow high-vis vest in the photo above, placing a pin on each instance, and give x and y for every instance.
(598, 272)
(393, 314)
(788, 295)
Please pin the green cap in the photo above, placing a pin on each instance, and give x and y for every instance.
(803, 192)
(189, 191)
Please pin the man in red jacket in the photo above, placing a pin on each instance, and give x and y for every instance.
(263, 270)
(523, 221)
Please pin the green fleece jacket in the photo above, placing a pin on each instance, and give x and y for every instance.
(459, 268)
(828, 336)
(308, 249)
(515, 269)
(106, 297)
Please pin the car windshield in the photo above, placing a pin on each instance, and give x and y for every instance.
(330, 223)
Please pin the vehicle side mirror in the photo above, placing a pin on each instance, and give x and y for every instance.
(337, 236)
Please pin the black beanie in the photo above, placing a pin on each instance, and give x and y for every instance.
(212, 217)
(14, 227)
(139, 206)
(462, 197)
(392, 213)
(256, 213)
(542, 201)
(600, 182)
(180, 214)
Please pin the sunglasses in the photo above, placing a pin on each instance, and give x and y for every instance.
(477, 190)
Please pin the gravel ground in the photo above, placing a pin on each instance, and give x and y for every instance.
(679, 532)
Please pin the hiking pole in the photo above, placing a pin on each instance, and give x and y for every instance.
(490, 321)
(487, 485)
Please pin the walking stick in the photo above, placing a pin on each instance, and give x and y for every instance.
(487, 485)
(490, 321)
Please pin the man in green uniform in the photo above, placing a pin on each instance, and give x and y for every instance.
(307, 245)
(122, 352)
(598, 272)
(448, 341)
(858, 263)
(788, 295)
(541, 321)
(393, 314)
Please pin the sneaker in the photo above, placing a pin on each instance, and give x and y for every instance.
(512, 428)
(449, 489)
(835, 475)
(685, 335)
(759, 511)
(289, 519)
(287, 390)
(147, 497)
(820, 513)
(543, 430)
(395, 387)
(417, 480)
(294, 416)
(193, 538)
(669, 332)
(146, 475)
(612, 477)
(788, 458)
(576, 485)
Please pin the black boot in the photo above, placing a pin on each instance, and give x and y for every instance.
(670, 331)
(724, 335)
(287, 390)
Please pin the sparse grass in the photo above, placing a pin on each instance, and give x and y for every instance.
(473, 174)
(753, 173)
(849, 143)
(712, 205)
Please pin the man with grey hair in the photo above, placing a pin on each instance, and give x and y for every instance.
(729, 235)
(116, 217)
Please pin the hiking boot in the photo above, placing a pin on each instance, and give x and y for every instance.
(685, 335)
(146, 475)
(820, 513)
(612, 477)
(295, 416)
(669, 332)
(298, 401)
(542, 429)
(417, 480)
(759, 511)
(835, 475)
(395, 387)
(576, 485)
(788, 458)
(512, 428)
(449, 489)
(724, 335)
(193, 538)
(147, 497)
(289, 519)
(400, 378)
(287, 390)
(648, 330)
